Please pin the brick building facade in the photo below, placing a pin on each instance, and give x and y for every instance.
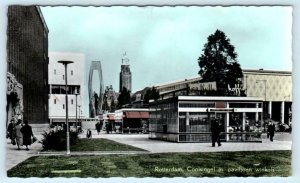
(27, 60)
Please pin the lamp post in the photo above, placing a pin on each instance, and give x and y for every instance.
(79, 114)
(76, 111)
(65, 63)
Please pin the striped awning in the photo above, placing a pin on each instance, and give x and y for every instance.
(141, 115)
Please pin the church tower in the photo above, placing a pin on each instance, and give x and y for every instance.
(125, 74)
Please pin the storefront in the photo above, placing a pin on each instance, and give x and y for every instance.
(188, 118)
(134, 120)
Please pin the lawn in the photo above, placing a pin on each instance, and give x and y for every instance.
(100, 145)
(209, 164)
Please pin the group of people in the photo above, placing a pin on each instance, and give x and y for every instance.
(20, 134)
(216, 130)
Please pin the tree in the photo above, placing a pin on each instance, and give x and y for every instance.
(124, 97)
(112, 105)
(218, 62)
(151, 93)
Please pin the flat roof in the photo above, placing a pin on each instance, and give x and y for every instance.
(219, 98)
(132, 109)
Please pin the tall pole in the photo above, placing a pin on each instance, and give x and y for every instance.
(76, 111)
(65, 63)
(79, 113)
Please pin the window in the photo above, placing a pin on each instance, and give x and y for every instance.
(54, 71)
(63, 77)
(61, 89)
(71, 72)
(71, 101)
(54, 101)
(63, 106)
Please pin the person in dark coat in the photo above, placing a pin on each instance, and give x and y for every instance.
(10, 130)
(271, 131)
(89, 134)
(27, 134)
(247, 129)
(98, 127)
(215, 133)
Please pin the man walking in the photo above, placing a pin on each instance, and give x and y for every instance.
(271, 131)
(98, 127)
(215, 133)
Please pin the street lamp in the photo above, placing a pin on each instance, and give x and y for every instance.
(65, 63)
(79, 114)
(76, 93)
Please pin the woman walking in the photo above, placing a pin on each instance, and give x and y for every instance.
(19, 135)
(27, 134)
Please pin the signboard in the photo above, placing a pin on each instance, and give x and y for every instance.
(236, 89)
(220, 110)
(207, 86)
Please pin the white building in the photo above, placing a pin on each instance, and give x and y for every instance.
(57, 105)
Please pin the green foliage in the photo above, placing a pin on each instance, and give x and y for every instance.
(57, 140)
(124, 97)
(151, 93)
(96, 144)
(218, 62)
(113, 106)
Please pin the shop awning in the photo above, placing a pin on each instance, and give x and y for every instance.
(142, 115)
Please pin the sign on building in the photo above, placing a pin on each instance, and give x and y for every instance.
(206, 86)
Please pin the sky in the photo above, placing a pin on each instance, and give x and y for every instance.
(164, 43)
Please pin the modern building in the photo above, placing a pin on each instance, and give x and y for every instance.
(57, 89)
(95, 99)
(125, 74)
(27, 61)
(274, 87)
(188, 118)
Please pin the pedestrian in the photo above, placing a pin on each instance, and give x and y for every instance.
(107, 127)
(247, 129)
(11, 131)
(98, 127)
(101, 124)
(27, 134)
(271, 131)
(19, 135)
(89, 134)
(215, 133)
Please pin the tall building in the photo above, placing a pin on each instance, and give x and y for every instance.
(57, 89)
(275, 88)
(95, 99)
(125, 74)
(27, 61)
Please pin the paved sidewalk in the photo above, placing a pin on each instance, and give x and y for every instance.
(15, 156)
(281, 142)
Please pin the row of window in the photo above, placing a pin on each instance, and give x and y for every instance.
(61, 89)
(194, 105)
